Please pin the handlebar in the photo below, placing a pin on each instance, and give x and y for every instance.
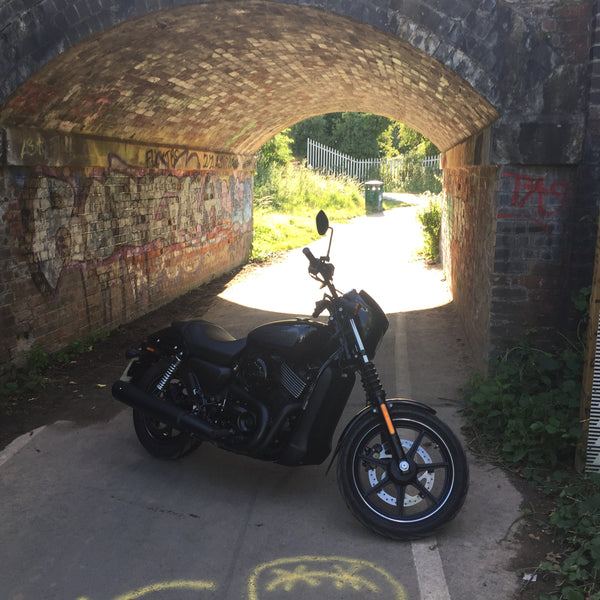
(319, 266)
(315, 263)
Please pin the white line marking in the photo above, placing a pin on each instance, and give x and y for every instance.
(427, 559)
(430, 572)
(18, 444)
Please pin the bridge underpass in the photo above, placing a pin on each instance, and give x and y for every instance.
(129, 133)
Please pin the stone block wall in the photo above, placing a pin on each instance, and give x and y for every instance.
(86, 248)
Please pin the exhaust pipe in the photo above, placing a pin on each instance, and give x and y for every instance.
(163, 411)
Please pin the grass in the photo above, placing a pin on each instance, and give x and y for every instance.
(285, 206)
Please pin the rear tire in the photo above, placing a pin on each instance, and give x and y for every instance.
(160, 439)
(403, 505)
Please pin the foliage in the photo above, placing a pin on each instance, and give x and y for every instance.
(526, 416)
(363, 135)
(576, 521)
(399, 139)
(273, 155)
(355, 134)
(430, 218)
(528, 410)
(285, 207)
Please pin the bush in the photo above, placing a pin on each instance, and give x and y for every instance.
(430, 218)
(527, 412)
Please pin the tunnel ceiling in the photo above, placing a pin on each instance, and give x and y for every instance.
(227, 76)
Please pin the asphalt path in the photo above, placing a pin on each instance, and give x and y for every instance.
(87, 514)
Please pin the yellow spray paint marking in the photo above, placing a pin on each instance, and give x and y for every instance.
(344, 574)
(168, 585)
(325, 575)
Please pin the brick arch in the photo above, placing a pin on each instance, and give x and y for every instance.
(165, 101)
(227, 76)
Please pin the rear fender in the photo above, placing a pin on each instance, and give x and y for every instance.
(167, 342)
(391, 402)
(164, 343)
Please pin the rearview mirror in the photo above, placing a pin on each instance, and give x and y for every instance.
(322, 223)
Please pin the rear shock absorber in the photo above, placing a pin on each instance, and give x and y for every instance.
(168, 374)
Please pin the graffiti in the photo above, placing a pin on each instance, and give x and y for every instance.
(329, 577)
(32, 97)
(198, 585)
(91, 106)
(547, 201)
(305, 576)
(33, 147)
(77, 223)
(181, 159)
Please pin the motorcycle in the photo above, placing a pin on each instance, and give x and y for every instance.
(278, 395)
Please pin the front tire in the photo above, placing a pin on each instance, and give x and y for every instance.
(160, 439)
(407, 504)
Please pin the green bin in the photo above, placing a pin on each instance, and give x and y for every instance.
(374, 196)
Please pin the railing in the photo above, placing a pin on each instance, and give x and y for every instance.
(328, 160)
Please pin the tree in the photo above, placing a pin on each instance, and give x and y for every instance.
(399, 139)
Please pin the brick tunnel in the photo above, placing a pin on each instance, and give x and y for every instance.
(128, 135)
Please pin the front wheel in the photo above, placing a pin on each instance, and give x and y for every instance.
(412, 501)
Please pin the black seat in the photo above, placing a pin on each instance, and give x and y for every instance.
(210, 341)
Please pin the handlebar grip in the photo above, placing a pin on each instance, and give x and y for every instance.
(314, 262)
(311, 257)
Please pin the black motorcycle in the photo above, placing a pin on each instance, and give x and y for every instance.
(278, 395)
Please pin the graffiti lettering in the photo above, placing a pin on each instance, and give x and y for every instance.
(182, 159)
(33, 147)
(548, 200)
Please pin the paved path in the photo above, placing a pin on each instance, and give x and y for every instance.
(87, 514)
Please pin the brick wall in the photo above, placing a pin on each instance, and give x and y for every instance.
(510, 247)
(468, 237)
(88, 248)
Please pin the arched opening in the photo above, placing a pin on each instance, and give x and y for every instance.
(131, 153)
(227, 76)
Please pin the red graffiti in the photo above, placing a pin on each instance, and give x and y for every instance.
(548, 200)
(92, 105)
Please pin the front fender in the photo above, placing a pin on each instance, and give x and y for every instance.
(391, 402)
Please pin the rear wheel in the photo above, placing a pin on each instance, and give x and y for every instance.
(403, 501)
(160, 439)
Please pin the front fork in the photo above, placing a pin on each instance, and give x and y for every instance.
(376, 397)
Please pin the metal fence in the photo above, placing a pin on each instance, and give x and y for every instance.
(330, 161)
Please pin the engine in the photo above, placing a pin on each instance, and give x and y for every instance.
(265, 376)
(262, 403)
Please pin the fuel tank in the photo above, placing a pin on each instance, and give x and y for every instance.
(294, 339)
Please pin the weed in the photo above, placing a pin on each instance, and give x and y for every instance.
(39, 360)
(526, 416)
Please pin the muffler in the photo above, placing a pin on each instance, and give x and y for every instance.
(164, 412)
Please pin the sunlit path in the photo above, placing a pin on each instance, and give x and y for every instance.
(392, 238)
